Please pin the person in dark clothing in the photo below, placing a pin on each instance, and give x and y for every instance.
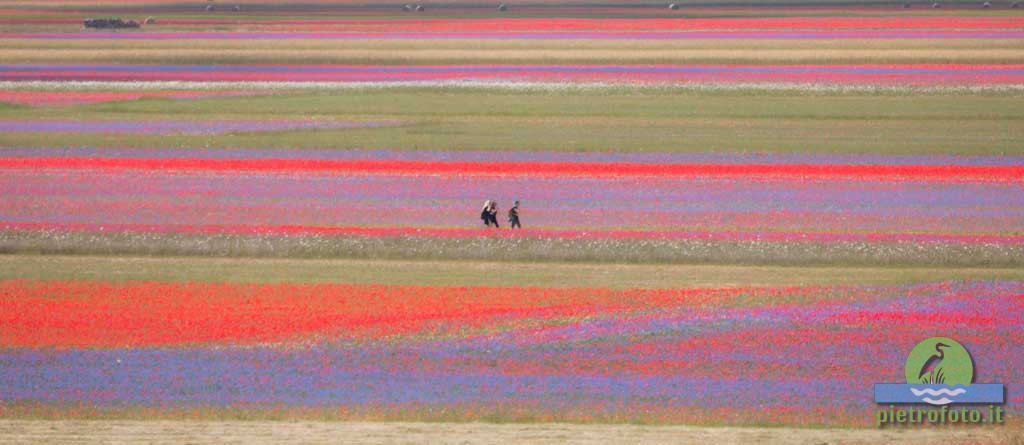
(485, 213)
(492, 213)
(513, 216)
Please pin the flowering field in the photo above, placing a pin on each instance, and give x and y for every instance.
(582, 24)
(907, 50)
(731, 215)
(796, 356)
(665, 207)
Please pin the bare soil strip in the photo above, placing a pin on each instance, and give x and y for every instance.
(130, 431)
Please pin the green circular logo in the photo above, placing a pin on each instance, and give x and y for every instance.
(939, 361)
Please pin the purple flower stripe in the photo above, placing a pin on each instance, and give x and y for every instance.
(178, 127)
(154, 197)
(529, 69)
(950, 74)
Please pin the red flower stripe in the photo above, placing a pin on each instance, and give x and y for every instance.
(102, 314)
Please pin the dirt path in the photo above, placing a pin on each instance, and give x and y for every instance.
(128, 431)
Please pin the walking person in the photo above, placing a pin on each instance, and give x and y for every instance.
(485, 213)
(493, 214)
(513, 216)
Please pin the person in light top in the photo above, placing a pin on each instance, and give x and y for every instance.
(485, 213)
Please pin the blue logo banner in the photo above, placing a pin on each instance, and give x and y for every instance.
(938, 394)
